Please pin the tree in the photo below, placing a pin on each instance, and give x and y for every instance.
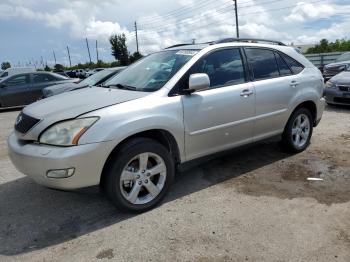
(47, 68)
(5, 65)
(59, 67)
(119, 48)
(340, 45)
(134, 57)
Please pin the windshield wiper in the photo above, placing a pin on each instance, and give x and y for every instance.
(120, 86)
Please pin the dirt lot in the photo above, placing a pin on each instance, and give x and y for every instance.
(254, 204)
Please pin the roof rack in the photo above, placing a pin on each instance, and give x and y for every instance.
(248, 40)
(177, 45)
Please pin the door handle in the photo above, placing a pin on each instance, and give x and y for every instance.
(294, 83)
(246, 93)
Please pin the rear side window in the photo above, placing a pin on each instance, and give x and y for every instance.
(263, 63)
(41, 78)
(282, 65)
(295, 66)
(224, 67)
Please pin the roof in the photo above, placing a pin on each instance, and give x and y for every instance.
(226, 40)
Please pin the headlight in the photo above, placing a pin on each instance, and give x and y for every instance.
(330, 84)
(67, 133)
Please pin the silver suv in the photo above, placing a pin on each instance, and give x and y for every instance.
(171, 107)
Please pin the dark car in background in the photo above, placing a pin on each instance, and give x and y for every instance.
(26, 88)
(94, 80)
(342, 63)
(337, 89)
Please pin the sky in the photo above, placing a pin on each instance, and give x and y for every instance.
(31, 30)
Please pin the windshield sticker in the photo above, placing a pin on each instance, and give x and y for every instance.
(187, 52)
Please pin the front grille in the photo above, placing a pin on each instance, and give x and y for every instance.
(344, 88)
(342, 100)
(24, 123)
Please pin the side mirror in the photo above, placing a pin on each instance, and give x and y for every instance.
(198, 82)
(2, 85)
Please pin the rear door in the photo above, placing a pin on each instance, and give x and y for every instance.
(40, 81)
(275, 87)
(15, 91)
(222, 116)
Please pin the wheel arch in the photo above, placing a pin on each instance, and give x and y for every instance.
(311, 106)
(162, 136)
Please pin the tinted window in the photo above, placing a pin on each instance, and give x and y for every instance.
(18, 80)
(41, 78)
(282, 65)
(294, 65)
(4, 74)
(263, 63)
(224, 67)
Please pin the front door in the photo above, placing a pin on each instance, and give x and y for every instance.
(15, 90)
(222, 116)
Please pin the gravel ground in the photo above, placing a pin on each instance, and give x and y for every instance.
(253, 204)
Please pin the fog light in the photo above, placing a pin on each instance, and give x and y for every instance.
(60, 173)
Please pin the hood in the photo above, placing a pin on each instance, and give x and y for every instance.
(337, 64)
(342, 78)
(72, 104)
(60, 88)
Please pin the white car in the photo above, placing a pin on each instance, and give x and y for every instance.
(171, 107)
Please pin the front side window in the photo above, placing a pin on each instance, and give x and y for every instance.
(152, 72)
(262, 62)
(18, 80)
(224, 67)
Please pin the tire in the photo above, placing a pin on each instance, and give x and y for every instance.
(124, 177)
(293, 129)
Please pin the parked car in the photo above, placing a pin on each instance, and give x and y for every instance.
(80, 73)
(16, 70)
(71, 73)
(93, 71)
(341, 64)
(337, 91)
(131, 135)
(62, 73)
(23, 89)
(94, 80)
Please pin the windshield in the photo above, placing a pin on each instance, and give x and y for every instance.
(152, 72)
(97, 77)
(344, 57)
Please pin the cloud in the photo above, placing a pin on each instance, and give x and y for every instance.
(163, 23)
(305, 11)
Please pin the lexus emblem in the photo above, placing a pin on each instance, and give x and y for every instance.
(18, 119)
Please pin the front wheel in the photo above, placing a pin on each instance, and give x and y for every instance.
(140, 175)
(298, 131)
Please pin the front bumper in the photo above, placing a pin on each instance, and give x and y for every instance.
(335, 96)
(34, 160)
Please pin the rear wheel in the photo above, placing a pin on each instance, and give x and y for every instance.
(140, 175)
(298, 131)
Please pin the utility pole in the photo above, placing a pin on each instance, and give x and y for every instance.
(96, 52)
(87, 44)
(236, 13)
(70, 62)
(137, 39)
(54, 56)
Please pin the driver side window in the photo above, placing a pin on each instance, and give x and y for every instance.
(18, 80)
(224, 67)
